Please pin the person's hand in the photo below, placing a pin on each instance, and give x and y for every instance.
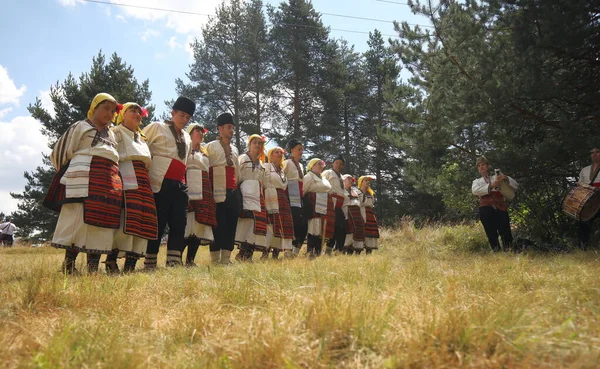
(500, 178)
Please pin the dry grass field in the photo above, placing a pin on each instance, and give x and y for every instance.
(429, 298)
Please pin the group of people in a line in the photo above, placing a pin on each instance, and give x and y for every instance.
(118, 187)
(493, 188)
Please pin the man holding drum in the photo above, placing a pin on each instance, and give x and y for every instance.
(493, 211)
(589, 177)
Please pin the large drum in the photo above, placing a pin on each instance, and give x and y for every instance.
(582, 203)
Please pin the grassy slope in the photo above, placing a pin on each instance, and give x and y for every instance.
(429, 298)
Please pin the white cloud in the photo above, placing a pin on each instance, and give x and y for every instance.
(188, 46)
(148, 34)
(173, 44)
(3, 112)
(9, 93)
(121, 18)
(69, 2)
(47, 102)
(21, 148)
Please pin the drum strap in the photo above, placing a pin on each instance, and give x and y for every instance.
(594, 174)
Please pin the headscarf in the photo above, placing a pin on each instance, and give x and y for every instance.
(191, 129)
(312, 162)
(103, 96)
(360, 181)
(272, 150)
(126, 106)
(261, 153)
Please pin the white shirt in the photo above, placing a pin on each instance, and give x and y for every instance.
(8, 228)
(586, 174)
(129, 148)
(216, 155)
(337, 184)
(290, 170)
(481, 187)
(312, 183)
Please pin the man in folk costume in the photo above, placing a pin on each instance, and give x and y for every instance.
(251, 230)
(366, 197)
(589, 176)
(7, 232)
(334, 176)
(138, 216)
(224, 169)
(170, 146)
(493, 211)
(355, 225)
(280, 230)
(292, 168)
(202, 209)
(318, 207)
(87, 189)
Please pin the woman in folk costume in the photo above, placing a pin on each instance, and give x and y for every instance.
(170, 146)
(493, 211)
(294, 172)
(138, 216)
(355, 227)
(367, 201)
(251, 230)
(334, 176)
(201, 215)
(280, 231)
(318, 207)
(87, 190)
(589, 176)
(224, 173)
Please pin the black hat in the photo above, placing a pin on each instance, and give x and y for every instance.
(185, 105)
(291, 144)
(340, 157)
(224, 119)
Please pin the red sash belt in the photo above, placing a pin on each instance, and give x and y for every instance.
(230, 180)
(339, 200)
(596, 184)
(176, 171)
(494, 199)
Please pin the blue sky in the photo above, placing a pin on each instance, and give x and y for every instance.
(42, 41)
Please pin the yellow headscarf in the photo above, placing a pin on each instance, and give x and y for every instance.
(121, 115)
(103, 96)
(312, 162)
(271, 151)
(261, 153)
(360, 181)
(191, 128)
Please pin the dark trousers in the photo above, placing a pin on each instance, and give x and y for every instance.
(496, 222)
(585, 231)
(339, 235)
(171, 209)
(300, 226)
(6, 239)
(228, 213)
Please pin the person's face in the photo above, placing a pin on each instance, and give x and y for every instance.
(338, 166)
(318, 167)
(105, 112)
(297, 152)
(366, 183)
(276, 157)
(348, 183)
(255, 146)
(197, 136)
(595, 154)
(132, 117)
(483, 168)
(226, 131)
(180, 119)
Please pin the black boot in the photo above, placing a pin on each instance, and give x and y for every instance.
(192, 244)
(111, 263)
(93, 261)
(130, 262)
(275, 254)
(68, 265)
